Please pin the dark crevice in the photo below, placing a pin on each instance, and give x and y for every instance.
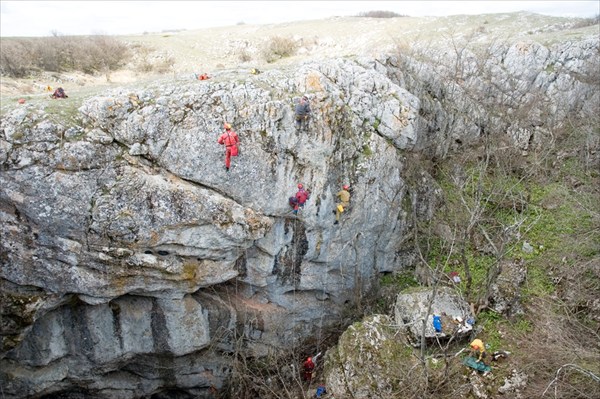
(288, 261)
(160, 332)
(116, 311)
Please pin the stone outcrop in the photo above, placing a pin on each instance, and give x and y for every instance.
(133, 263)
(412, 308)
(126, 244)
(370, 360)
(505, 296)
(516, 91)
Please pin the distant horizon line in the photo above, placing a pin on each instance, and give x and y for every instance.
(56, 33)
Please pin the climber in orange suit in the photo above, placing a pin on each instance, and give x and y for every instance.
(230, 140)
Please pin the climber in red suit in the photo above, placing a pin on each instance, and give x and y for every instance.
(309, 366)
(231, 140)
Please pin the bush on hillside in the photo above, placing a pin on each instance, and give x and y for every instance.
(244, 55)
(588, 22)
(147, 59)
(380, 14)
(23, 56)
(279, 47)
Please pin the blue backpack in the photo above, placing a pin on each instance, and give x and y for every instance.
(320, 391)
(437, 323)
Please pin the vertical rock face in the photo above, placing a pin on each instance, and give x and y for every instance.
(516, 91)
(132, 261)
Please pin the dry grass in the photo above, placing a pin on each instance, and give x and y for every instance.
(558, 339)
(208, 50)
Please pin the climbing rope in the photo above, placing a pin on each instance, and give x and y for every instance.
(295, 300)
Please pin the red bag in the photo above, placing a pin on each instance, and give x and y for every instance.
(234, 150)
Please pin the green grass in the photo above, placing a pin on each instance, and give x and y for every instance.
(64, 111)
(376, 123)
(557, 221)
(523, 325)
(562, 229)
(402, 280)
(491, 323)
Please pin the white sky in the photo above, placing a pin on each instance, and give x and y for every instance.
(42, 18)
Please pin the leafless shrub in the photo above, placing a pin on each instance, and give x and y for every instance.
(588, 22)
(559, 354)
(164, 65)
(278, 47)
(148, 60)
(274, 376)
(244, 55)
(16, 58)
(559, 340)
(22, 57)
(380, 14)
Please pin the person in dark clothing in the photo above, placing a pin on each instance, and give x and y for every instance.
(302, 114)
(59, 93)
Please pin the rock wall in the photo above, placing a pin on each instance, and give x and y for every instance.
(520, 91)
(134, 264)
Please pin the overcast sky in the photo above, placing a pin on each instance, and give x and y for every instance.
(42, 18)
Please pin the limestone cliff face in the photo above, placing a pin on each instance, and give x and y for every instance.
(132, 262)
(515, 91)
(126, 245)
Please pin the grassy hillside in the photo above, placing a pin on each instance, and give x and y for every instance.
(183, 53)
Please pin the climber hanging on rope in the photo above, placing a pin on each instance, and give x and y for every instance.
(309, 367)
(344, 197)
(302, 112)
(230, 139)
(297, 202)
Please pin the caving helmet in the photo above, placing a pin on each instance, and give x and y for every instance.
(477, 344)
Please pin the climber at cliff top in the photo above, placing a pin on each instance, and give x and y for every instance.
(230, 139)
